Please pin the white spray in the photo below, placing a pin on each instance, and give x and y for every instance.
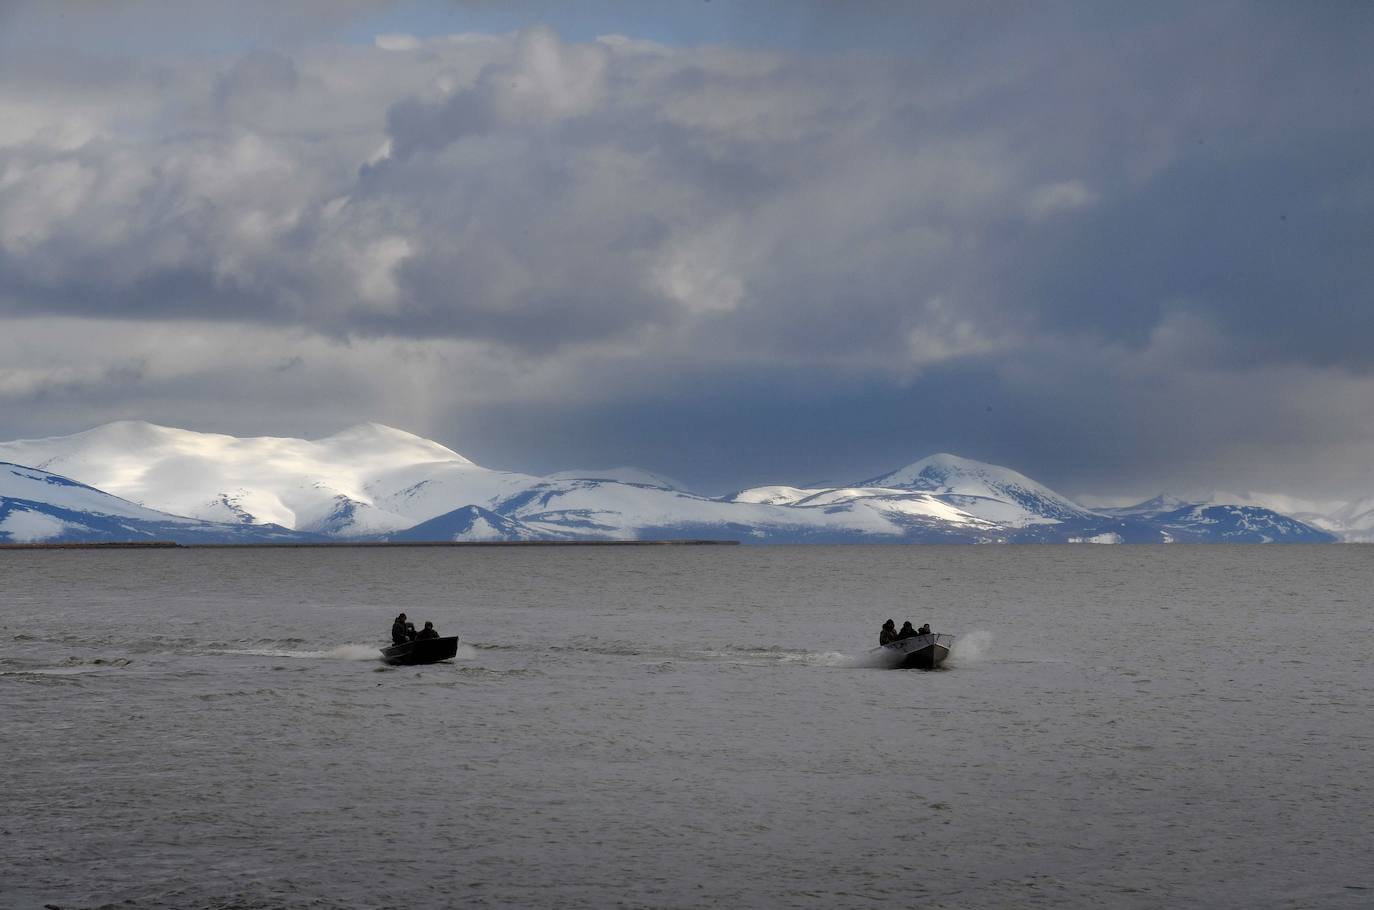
(970, 648)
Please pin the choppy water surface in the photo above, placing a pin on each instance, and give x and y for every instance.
(683, 727)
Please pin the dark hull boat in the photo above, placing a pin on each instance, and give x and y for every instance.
(421, 651)
(923, 652)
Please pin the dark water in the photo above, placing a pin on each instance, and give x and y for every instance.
(1121, 726)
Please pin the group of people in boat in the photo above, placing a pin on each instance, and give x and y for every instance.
(891, 633)
(403, 631)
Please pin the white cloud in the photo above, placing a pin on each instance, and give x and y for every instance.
(398, 42)
(1063, 196)
(698, 271)
(549, 77)
(23, 122)
(943, 333)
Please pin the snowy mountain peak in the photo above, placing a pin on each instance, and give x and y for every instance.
(378, 437)
(774, 495)
(946, 473)
(944, 469)
(950, 461)
(120, 434)
(962, 479)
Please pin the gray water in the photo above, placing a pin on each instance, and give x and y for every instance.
(687, 727)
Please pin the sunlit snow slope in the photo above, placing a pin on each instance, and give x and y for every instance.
(39, 507)
(329, 486)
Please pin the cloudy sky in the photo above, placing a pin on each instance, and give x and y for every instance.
(1121, 247)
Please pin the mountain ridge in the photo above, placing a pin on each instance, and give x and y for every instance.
(375, 482)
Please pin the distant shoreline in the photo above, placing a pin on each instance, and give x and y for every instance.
(334, 545)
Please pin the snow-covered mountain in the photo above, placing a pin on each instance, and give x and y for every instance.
(1222, 522)
(368, 480)
(376, 482)
(1350, 520)
(39, 507)
(600, 509)
(989, 491)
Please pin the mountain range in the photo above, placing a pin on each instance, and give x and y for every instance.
(132, 480)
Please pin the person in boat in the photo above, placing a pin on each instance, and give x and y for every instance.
(428, 632)
(402, 631)
(888, 634)
(906, 632)
(924, 630)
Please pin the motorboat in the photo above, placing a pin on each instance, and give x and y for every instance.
(421, 651)
(920, 652)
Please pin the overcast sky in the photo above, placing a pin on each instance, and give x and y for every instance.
(1120, 247)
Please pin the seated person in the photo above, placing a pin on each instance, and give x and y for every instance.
(888, 633)
(402, 631)
(924, 630)
(907, 631)
(428, 631)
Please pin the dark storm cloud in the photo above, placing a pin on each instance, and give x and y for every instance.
(1268, 247)
(1108, 424)
(722, 430)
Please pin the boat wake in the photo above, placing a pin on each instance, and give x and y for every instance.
(342, 652)
(869, 660)
(811, 658)
(72, 666)
(773, 655)
(970, 648)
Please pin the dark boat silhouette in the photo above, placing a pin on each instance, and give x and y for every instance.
(421, 651)
(921, 652)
